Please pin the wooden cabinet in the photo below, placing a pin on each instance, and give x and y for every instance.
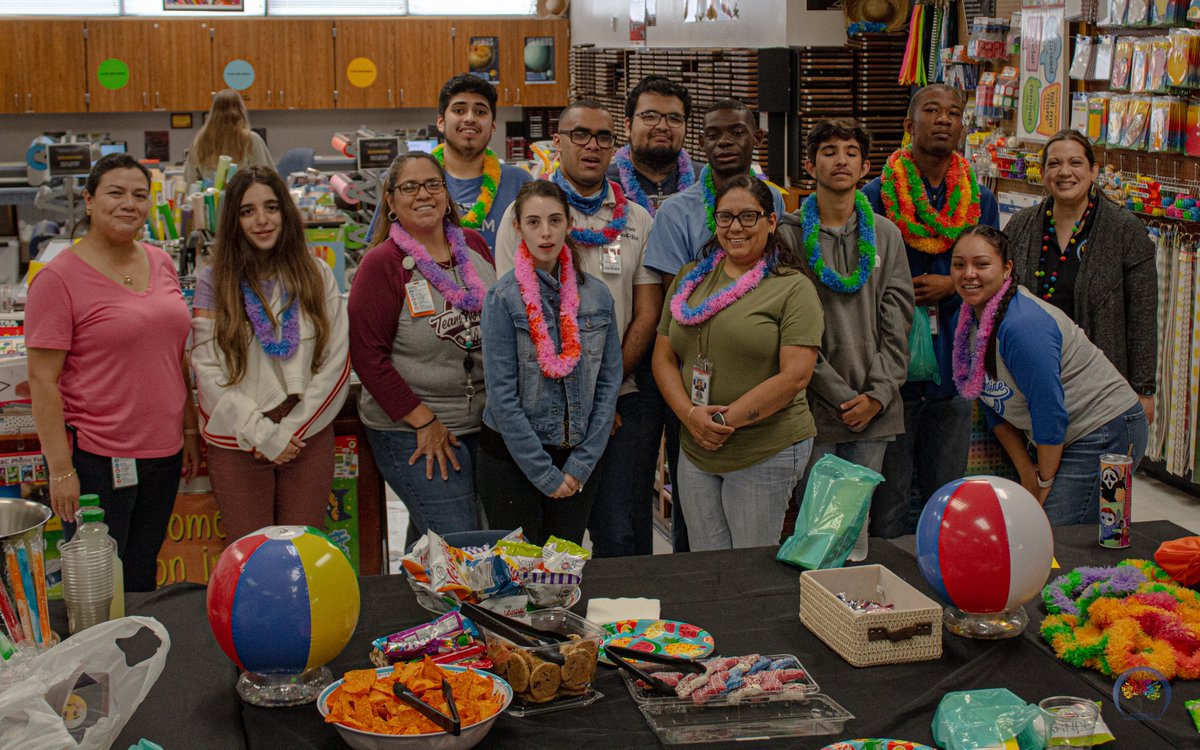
(181, 65)
(512, 34)
(360, 47)
(423, 59)
(43, 67)
(118, 65)
(275, 64)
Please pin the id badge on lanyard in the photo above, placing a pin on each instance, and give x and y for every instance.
(701, 381)
(610, 261)
(124, 472)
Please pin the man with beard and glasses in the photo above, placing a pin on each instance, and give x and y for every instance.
(610, 231)
(929, 191)
(653, 166)
(481, 187)
(684, 224)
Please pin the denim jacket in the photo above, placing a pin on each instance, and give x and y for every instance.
(526, 407)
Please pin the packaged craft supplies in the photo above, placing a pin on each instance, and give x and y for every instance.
(510, 574)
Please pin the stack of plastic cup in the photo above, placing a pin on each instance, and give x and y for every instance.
(87, 568)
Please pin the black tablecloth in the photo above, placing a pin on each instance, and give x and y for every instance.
(748, 601)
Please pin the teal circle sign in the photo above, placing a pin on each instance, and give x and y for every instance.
(239, 75)
(113, 74)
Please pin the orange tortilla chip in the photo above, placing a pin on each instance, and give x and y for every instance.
(359, 681)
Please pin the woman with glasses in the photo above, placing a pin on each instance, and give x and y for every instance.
(269, 350)
(415, 343)
(736, 348)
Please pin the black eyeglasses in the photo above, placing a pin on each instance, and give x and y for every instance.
(652, 117)
(432, 186)
(582, 137)
(745, 218)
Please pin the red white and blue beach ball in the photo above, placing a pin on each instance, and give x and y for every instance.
(984, 544)
(283, 600)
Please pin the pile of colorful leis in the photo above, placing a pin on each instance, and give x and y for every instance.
(906, 203)
(1122, 617)
(487, 188)
(811, 226)
(633, 188)
(553, 364)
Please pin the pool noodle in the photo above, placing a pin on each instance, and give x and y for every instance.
(14, 573)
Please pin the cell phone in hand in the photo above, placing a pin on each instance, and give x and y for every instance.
(719, 418)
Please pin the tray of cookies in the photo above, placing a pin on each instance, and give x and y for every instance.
(552, 677)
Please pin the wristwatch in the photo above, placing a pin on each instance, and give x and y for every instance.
(1147, 390)
(1043, 483)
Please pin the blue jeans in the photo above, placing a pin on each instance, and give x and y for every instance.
(622, 521)
(446, 506)
(935, 444)
(743, 508)
(1075, 496)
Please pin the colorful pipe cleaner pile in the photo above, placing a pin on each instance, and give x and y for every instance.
(1116, 618)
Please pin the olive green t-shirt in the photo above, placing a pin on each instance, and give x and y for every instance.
(742, 344)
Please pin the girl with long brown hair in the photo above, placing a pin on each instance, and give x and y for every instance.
(226, 132)
(270, 350)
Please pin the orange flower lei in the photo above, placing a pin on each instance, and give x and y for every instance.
(907, 205)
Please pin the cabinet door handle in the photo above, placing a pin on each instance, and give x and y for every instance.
(506, 93)
(16, 101)
(158, 100)
(401, 96)
(518, 94)
(268, 97)
(145, 99)
(29, 101)
(389, 96)
(280, 97)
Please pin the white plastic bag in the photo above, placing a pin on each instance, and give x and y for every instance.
(31, 708)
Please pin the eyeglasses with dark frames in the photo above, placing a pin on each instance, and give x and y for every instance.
(651, 118)
(748, 219)
(582, 137)
(432, 186)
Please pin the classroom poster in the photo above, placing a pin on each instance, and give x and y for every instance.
(1043, 93)
(483, 58)
(539, 59)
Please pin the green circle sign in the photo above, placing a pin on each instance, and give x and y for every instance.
(113, 74)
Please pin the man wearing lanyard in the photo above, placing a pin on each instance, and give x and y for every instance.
(610, 231)
(684, 224)
(653, 166)
(480, 186)
(929, 191)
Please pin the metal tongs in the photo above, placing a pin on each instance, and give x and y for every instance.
(449, 723)
(657, 686)
(520, 633)
(676, 663)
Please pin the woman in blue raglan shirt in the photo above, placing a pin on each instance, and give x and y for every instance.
(1055, 402)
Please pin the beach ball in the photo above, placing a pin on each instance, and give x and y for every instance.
(283, 600)
(984, 544)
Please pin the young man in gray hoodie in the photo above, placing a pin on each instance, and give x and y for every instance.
(858, 262)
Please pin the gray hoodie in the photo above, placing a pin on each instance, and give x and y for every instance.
(865, 345)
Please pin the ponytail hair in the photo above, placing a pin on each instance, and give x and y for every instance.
(999, 242)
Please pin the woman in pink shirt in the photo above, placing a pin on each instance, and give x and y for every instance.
(106, 326)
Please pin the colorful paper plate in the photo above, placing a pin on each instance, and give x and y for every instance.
(876, 744)
(668, 637)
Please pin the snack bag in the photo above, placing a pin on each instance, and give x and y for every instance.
(438, 565)
(562, 556)
(836, 503)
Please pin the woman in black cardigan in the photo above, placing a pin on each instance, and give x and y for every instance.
(1093, 260)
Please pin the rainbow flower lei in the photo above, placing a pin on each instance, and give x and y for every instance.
(275, 347)
(710, 198)
(469, 299)
(610, 231)
(968, 369)
(553, 365)
(688, 315)
(633, 188)
(811, 226)
(906, 204)
(487, 188)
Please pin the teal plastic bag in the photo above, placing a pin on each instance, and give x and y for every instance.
(835, 507)
(922, 362)
(973, 719)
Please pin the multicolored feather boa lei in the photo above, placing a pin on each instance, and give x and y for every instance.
(906, 204)
(811, 227)
(688, 315)
(553, 364)
(633, 188)
(487, 188)
(969, 368)
(1118, 618)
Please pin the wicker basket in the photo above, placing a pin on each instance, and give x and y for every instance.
(910, 632)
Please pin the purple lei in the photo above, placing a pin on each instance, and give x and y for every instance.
(1071, 594)
(969, 369)
(276, 347)
(469, 299)
(633, 188)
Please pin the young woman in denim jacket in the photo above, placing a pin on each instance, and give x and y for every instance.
(553, 363)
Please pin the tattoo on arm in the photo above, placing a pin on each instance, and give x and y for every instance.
(752, 415)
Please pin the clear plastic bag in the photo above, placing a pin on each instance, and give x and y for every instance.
(922, 362)
(993, 718)
(80, 693)
(832, 514)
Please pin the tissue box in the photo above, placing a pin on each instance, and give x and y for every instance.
(912, 631)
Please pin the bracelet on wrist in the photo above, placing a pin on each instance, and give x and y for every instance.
(1043, 483)
(68, 475)
(431, 421)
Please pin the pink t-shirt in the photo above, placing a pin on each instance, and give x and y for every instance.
(121, 383)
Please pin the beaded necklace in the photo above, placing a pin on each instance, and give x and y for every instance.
(552, 364)
(906, 204)
(633, 187)
(811, 227)
(1049, 276)
(487, 188)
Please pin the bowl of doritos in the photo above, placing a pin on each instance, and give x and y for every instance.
(408, 706)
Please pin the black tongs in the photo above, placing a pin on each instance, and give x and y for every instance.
(449, 723)
(676, 663)
(520, 633)
(656, 685)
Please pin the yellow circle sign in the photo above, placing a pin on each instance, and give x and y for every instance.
(361, 72)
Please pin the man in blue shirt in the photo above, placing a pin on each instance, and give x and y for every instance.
(480, 186)
(653, 166)
(937, 421)
(681, 229)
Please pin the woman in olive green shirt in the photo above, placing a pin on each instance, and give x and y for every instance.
(736, 347)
